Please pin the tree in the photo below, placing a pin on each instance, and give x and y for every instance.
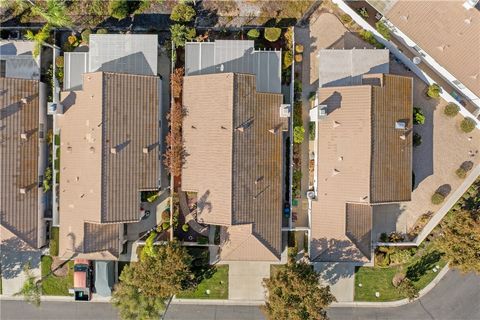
(39, 38)
(132, 303)
(418, 116)
(460, 239)
(294, 292)
(54, 12)
(406, 288)
(451, 109)
(31, 289)
(467, 125)
(118, 9)
(272, 34)
(253, 34)
(182, 13)
(181, 34)
(434, 91)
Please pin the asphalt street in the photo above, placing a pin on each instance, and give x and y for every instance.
(456, 297)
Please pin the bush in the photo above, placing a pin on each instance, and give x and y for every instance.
(417, 139)
(383, 29)
(166, 215)
(152, 198)
(299, 48)
(54, 237)
(166, 225)
(298, 57)
(312, 96)
(185, 227)
(181, 33)
(202, 240)
(118, 9)
(451, 109)
(461, 173)
(311, 131)
(396, 237)
(59, 61)
(253, 34)
(370, 38)
(418, 116)
(437, 198)
(407, 289)
(86, 35)
(363, 12)
(346, 19)
(296, 181)
(272, 34)
(287, 59)
(182, 13)
(383, 237)
(102, 31)
(298, 134)
(434, 91)
(72, 40)
(467, 125)
(397, 279)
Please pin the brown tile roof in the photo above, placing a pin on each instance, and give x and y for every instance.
(113, 111)
(106, 237)
(447, 32)
(359, 226)
(359, 158)
(233, 158)
(19, 157)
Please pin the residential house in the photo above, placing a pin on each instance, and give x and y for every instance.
(109, 144)
(23, 151)
(234, 136)
(363, 151)
(444, 34)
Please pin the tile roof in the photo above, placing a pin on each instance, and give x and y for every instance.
(233, 161)
(103, 133)
(359, 226)
(447, 32)
(361, 157)
(19, 157)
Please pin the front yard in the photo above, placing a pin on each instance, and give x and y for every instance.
(212, 280)
(56, 285)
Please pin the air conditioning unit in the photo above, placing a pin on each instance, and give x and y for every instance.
(285, 110)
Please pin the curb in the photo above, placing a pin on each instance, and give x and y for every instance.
(219, 302)
(397, 303)
(54, 299)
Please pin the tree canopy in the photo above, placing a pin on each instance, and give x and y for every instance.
(182, 13)
(31, 289)
(54, 12)
(145, 285)
(294, 292)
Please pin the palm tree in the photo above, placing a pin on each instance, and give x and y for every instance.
(39, 38)
(55, 13)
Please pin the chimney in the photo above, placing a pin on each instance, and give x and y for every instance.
(403, 137)
(92, 150)
(273, 130)
(336, 124)
(23, 136)
(241, 129)
(23, 190)
(113, 150)
(24, 101)
(145, 150)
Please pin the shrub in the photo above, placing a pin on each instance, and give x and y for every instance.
(383, 237)
(202, 240)
(166, 215)
(451, 109)
(417, 139)
(152, 198)
(59, 61)
(437, 198)
(312, 96)
(418, 116)
(72, 40)
(86, 35)
(288, 36)
(370, 38)
(346, 19)
(185, 227)
(287, 59)
(296, 181)
(148, 248)
(299, 48)
(407, 289)
(166, 225)
(54, 242)
(118, 9)
(383, 29)
(181, 33)
(182, 13)
(434, 91)
(102, 31)
(272, 34)
(253, 34)
(363, 12)
(461, 173)
(298, 134)
(396, 237)
(298, 57)
(467, 125)
(311, 130)
(397, 279)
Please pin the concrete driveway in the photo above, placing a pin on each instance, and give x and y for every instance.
(245, 280)
(339, 276)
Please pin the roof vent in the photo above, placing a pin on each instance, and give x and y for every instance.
(69, 149)
(468, 20)
(23, 136)
(92, 150)
(335, 172)
(23, 190)
(401, 125)
(336, 124)
(273, 130)
(113, 150)
(145, 150)
(340, 158)
(403, 137)
(23, 101)
(474, 76)
(404, 17)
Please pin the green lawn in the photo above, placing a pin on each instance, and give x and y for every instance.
(54, 241)
(377, 279)
(217, 283)
(53, 285)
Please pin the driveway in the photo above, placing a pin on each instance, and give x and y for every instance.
(14, 255)
(245, 280)
(340, 277)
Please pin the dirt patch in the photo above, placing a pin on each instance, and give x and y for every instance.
(58, 269)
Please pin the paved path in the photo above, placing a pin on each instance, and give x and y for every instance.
(245, 280)
(340, 278)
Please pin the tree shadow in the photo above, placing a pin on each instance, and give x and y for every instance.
(426, 263)
(14, 254)
(333, 272)
(444, 190)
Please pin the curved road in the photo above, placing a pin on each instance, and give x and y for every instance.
(456, 297)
